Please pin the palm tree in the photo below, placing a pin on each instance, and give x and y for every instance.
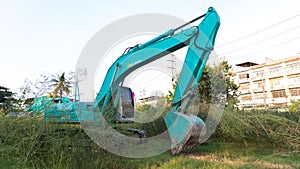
(61, 85)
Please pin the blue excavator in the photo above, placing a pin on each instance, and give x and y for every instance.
(185, 129)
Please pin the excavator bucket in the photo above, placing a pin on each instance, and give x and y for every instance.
(185, 131)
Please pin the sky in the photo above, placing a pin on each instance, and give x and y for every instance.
(48, 36)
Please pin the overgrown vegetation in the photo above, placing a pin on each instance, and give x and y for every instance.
(254, 139)
(242, 140)
(263, 129)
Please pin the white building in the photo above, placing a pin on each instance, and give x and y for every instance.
(270, 85)
(152, 100)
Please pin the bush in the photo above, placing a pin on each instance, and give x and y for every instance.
(295, 107)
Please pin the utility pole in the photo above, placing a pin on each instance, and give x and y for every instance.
(172, 66)
(265, 98)
(264, 92)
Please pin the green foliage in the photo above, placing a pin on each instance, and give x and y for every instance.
(170, 95)
(109, 112)
(295, 107)
(143, 107)
(204, 85)
(216, 82)
(231, 89)
(7, 100)
(2, 112)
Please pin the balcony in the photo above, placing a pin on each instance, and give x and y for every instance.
(244, 91)
(293, 85)
(279, 100)
(244, 80)
(293, 71)
(258, 90)
(277, 87)
(295, 97)
(245, 102)
(254, 78)
(258, 101)
(276, 74)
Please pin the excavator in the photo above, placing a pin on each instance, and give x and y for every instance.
(184, 128)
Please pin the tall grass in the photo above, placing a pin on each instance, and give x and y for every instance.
(263, 129)
(30, 143)
(39, 145)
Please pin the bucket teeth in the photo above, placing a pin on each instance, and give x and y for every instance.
(190, 146)
(185, 131)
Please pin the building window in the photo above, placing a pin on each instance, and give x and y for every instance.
(294, 79)
(295, 65)
(259, 84)
(244, 86)
(278, 105)
(295, 92)
(244, 76)
(258, 96)
(278, 94)
(258, 73)
(274, 70)
(275, 82)
(246, 98)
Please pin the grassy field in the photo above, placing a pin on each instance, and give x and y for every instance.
(241, 141)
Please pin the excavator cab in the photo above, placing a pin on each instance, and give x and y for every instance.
(126, 104)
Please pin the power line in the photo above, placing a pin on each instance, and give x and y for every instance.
(148, 81)
(266, 28)
(258, 42)
(258, 51)
(288, 41)
(153, 82)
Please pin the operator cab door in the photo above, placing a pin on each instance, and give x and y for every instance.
(126, 105)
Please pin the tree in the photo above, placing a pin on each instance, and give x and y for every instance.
(204, 85)
(170, 95)
(7, 99)
(218, 80)
(215, 84)
(204, 91)
(231, 87)
(40, 87)
(61, 84)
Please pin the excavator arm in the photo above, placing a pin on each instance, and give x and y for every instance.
(184, 128)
